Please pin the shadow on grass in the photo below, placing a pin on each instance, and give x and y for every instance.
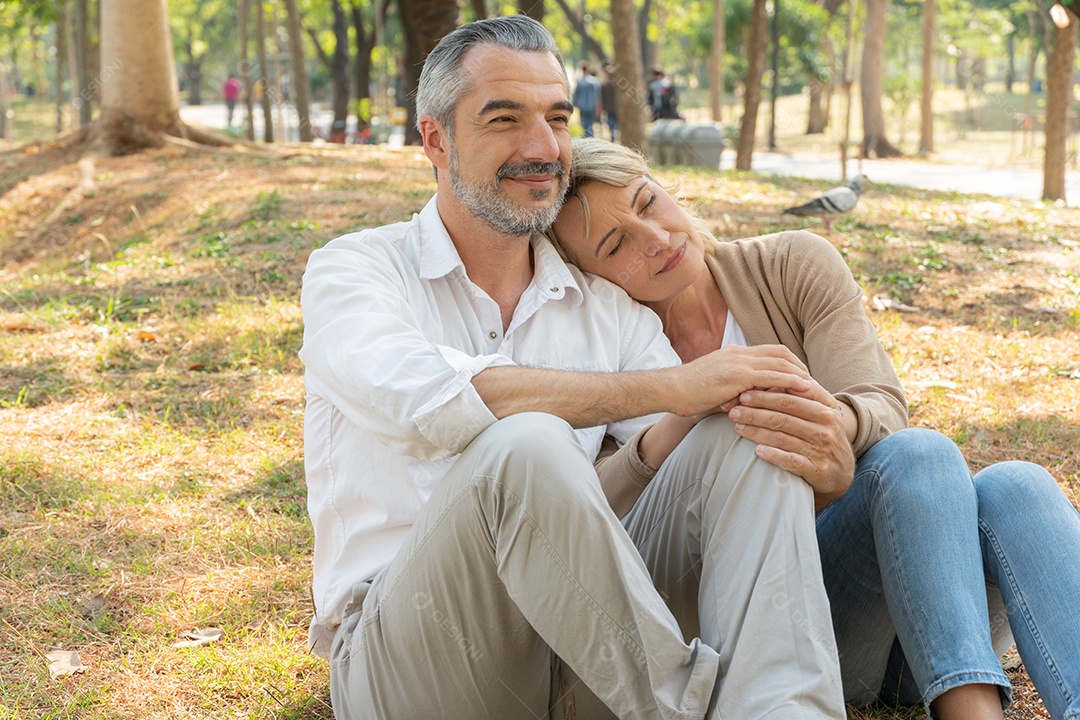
(279, 489)
(34, 383)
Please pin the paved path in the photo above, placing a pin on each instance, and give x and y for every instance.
(1019, 184)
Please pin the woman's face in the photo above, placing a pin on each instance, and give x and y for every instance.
(639, 238)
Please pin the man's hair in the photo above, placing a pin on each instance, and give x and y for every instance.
(441, 83)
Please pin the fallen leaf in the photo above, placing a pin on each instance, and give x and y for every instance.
(198, 637)
(64, 662)
(23, 329)
(147, 336)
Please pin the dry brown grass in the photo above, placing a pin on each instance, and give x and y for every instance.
(151, 399)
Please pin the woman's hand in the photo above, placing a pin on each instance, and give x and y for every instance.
(808, 433)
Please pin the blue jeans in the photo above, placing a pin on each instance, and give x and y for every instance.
(931, 574)
(588, 120)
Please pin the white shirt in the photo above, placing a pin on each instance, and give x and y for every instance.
(394, 333)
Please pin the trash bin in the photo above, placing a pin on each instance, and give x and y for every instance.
(660, 140)
(679, 152)
(701, 145)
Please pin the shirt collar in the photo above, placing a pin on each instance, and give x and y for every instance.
(439, 257)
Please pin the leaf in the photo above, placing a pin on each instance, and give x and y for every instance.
(147, 336)
(197, 637)
(23, 329)
(64, 662)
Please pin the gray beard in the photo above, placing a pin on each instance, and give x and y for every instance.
(501, 214)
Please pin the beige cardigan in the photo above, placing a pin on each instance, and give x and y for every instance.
(794, 289)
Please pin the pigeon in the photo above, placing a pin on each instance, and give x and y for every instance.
(834, 202)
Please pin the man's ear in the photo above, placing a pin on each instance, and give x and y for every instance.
(436, 143)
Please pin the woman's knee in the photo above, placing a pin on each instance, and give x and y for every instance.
(1016, 489)
(918, 467)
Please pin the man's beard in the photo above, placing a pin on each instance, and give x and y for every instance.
(502, 214)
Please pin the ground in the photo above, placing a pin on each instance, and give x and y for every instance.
(151, 400)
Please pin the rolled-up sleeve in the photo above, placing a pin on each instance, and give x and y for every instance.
(366, 351)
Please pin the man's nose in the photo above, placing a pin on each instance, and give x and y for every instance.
(542, 144)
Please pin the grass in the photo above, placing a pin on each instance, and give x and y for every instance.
(151, 401)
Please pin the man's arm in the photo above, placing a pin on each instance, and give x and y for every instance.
(587, 399)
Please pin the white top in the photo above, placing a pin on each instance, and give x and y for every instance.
(733, 334)
(394, 332)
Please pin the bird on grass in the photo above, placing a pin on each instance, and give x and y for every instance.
(837, 201)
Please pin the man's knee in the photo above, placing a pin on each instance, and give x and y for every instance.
(521, 448)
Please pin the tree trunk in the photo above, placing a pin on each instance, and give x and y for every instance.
(630, 105)
(365, 45)
(425, 23)
(192, 71)
(926, 106)
(244, 13)
(3, 103)
(648, 48)
(300, 88)
(532, 8)
(264, 80)
(875, 143)
(759, 41)
(139, 96)
(716, 62)
(82, 72)
(1059, 87)
(62, 21)
(1010, 69)
(818, 118)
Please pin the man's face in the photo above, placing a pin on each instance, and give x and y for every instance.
(510, 149)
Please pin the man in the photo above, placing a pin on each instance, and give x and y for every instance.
(587, 99)
(662, 97)
(607, 100)
(467, 562)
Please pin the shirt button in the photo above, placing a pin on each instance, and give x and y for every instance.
(493, 334)
(554, 289)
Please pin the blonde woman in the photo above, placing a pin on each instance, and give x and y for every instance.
(931, 572)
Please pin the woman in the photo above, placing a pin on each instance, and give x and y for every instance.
(931, 573)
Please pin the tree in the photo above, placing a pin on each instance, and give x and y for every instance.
(716, 63)
(84, 95)
(759, 40)
(1059, 85)
(425, 22)
(140, 97)
(875, 144)
(337, 63)
(578, 23)
(926, 106)
(629, 76)
(243, 17)
(532, 8)
(264, 70)
(299, 70)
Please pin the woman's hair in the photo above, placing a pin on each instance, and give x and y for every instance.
(595, 159)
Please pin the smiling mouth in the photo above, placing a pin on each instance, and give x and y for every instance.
(675, 259)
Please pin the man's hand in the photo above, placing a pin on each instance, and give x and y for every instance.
(713, 382)
(805, 432)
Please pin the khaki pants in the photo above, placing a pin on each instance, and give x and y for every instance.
(518, 594)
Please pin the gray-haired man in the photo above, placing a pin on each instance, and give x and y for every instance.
(461, 379)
